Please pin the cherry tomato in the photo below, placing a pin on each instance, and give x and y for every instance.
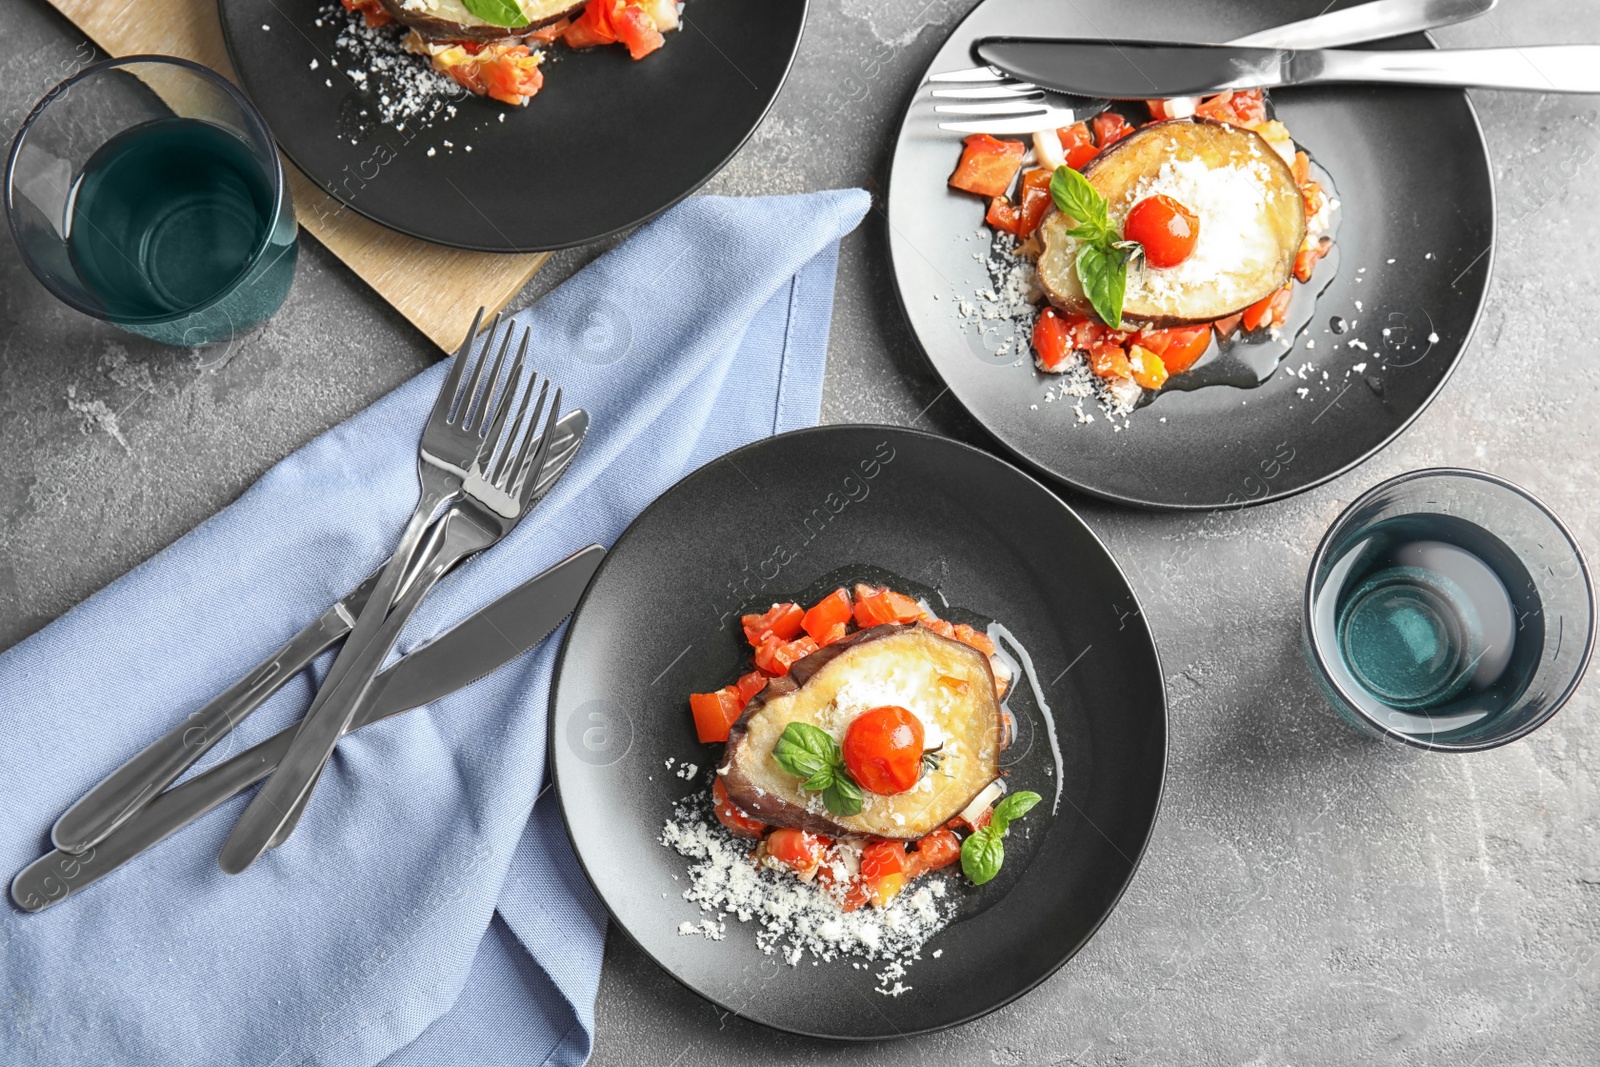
(782, 621)
(938, 849)
(729, 814)
(831, 611)
(1166, 228)
(797, 849)
(883, 750)
(988, 164)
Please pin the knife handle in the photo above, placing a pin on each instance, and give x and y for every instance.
(126, 789)
(1554, 68)
(1366, 22)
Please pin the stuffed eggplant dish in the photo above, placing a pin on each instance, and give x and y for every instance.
(862, 750)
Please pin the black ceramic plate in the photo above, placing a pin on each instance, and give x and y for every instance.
(605, 145)
(793, 516)
(1415, 245)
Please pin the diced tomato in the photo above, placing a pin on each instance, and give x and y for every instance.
(551, 33)
(1077, 144)
(879, 607)
(730, 815)
(797, 849)
(1269, 309)
(830, 611)
(775, 657)
(988, 165)
(935, 851)
(854, 893)
(1036, 201)
(1002, 215)
(1226, 326)
(976, 638)
(1178, 347)
(884, 868)
(637, 30)
(1242, 107)
(1109, 128)
(470, 77)
(372, 12)
(1301, 168)
(940, 627)
(749, 685)
(1051, 339)
(1109, 361)
(782, 621)
(715, 712)
(594, 26)
(1147, 368)
(513, 76)
(1305, 263)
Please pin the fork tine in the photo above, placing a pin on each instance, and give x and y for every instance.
(1019, 91)
(526, 481)
(996, 107)
(494, 394)
(970, 74)
(475, 400)
(511, 462)
(510, 397)
(1050, 119)
(452, 381)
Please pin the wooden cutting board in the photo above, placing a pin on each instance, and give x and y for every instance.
(437, 288)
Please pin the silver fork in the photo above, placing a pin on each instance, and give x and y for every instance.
(464, 426)
(1011, 106)
(126, 789)
(497, 495)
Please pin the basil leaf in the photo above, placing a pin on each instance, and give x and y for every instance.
(821, 780)
(843, 796)
(1104, 274)
(497, 12)
(982, 854)
(805, 750)
(1014, 806)
(1074, 195)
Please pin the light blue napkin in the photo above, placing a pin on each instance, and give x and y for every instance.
(420, 915)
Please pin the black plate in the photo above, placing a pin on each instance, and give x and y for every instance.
(605, 145)
(660, 621)
(1413, 173)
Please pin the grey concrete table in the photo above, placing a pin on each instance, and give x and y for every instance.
(1308, 898)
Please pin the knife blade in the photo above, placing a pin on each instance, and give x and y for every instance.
(1130, 70)
(475, 647)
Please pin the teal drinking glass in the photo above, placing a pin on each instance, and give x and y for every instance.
(1450, 610)
(147, 191)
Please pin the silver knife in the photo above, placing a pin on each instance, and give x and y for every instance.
(153, 768)
(475, 647)
(1130, 70)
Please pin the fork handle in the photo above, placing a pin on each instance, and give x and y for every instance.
(340, 699)
(125, 790)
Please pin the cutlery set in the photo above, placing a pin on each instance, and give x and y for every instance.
(494, 444)
(1032, 84)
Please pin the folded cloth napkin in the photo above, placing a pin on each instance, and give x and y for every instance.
(428, 910)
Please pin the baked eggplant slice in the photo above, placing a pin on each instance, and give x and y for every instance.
(1252, 222)
(947, 684)
(449, 20)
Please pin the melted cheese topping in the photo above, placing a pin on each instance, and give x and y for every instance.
(1234, 247)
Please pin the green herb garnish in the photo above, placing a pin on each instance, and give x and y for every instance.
(984, 852)
(497, 12)
(810, 754)
(1103, 256)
